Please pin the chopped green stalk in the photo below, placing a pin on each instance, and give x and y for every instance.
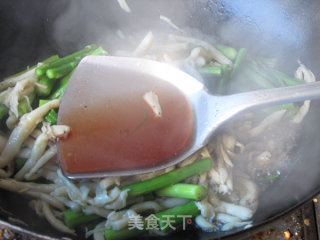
(19, 163)
(44, 86)
(51, 117)
(3, 111)
(50, 59)
(43, 101)
(24, 105)
(40, 71)
(110, 234)
(267, 74)
(169, 178)
(229, 52)
(73, 219)
(269, 62)
(211, 70)
(287, 80)
(239, 60)
(257, 79)
(59, 90)
(99, 51)
(183, 190)
(177, 215)
(57, 72)
(224, 80)
(278, 78)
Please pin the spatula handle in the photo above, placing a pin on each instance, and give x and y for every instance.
(223, 108)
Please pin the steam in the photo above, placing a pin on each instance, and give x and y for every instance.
(267, 28)
(169, 21)
(22, 40)
(110, 24)
(277, 30)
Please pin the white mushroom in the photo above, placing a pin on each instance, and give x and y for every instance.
(144, 45)
(26, 125)
(204, 224)
(20, 90)
(215, 53)
(12, 81)
(206, 209)
(152, 100)
(59, 225)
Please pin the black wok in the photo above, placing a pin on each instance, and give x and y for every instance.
(35, 29)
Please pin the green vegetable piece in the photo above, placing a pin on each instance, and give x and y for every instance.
(19, 163)
(211, 70)
(43, 101)
(257, 79)
(48, 60)
(177, 214)
(183, 190)
(229, 52)
(61, 86)
(57, 72)
(268, 62)
(238, 61)
(40, 71)
(44, 86)
(51, 117)
(223, 83)
(99, 51)
(3, 111)
(24, 104)
(169, 178)
(110, 234)
(288, 81)
(73, 219)
(275, 77)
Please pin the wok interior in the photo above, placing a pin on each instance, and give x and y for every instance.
(33, 30)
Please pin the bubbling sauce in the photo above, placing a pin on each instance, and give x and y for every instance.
(113, 128)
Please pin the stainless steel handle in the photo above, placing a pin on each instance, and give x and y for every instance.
(275, 96)
(222, 108)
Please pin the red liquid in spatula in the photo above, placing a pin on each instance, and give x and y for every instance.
(113, 128)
